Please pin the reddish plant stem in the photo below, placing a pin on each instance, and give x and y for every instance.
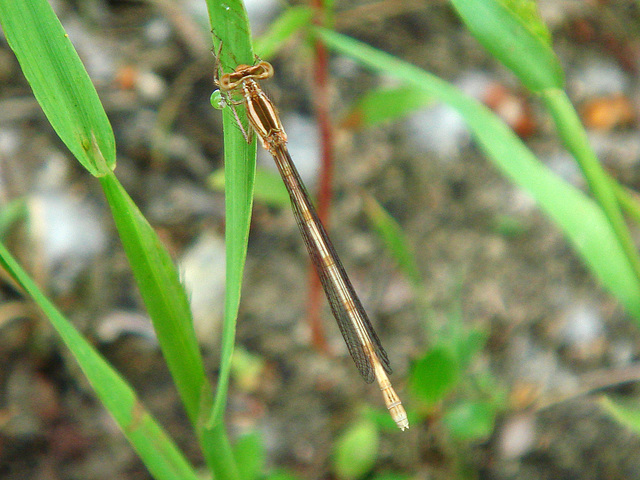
(325, 190)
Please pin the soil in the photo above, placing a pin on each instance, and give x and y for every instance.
(556, 341)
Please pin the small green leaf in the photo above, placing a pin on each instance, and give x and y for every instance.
(356, 451)
(385, 104)
(515, 37)
(433, 375)
(470, 421)
(59, 82)
(250, 456)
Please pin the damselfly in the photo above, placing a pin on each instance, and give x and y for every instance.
(359, 335)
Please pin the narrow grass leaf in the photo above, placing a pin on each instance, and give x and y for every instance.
(281, 30)
(161, 457)
(356, 451)
(59, 82)
(385, 104)
(163, 294)
(579, 217)
(394, 239)
(231, 38)
(515, 37)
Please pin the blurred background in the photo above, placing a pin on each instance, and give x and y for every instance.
(495, 274)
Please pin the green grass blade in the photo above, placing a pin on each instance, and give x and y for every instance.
(513, 32)
(394, 239)
(385, 104)
(575, 139)
(163, 294)
(515, 36)
(231, 38)
(155, 448)
(281, 30)
(579, 217)
(59, 82)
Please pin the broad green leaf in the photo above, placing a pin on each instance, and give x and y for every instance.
(394, 239)
(356, 451)
(515, 39)
(470, 421)
(579, 217)
(385, 104)
(433, 375)
(155, 448)
(59, 82)
(250, 456)
(281, 30)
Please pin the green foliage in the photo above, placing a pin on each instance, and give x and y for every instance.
(527, 12)
(385, 104)
(582, 219)
(512, 31)
(164, 296)
(394, 239)
(516, 37)
(59, 82)
(356, 451)
(434, 375)
(159, 454)
(232, 40)
(281, 30)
